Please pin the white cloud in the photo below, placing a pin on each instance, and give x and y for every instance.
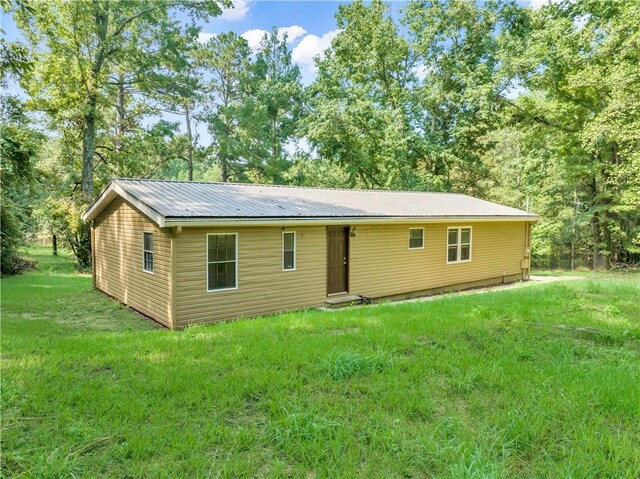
(238, 11)
(204, 37)
(310, 47)
(293, 32)
(255, 36)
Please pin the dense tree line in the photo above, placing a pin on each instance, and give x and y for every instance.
(537, 109)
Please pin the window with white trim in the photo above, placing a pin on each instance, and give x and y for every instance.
(147, 252)
(288, 251)
(459, 244)
(416, 238)
(222, 261)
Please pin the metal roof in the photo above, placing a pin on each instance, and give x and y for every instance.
(167, 202)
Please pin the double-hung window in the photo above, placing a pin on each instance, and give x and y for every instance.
(416, 238)
(288, 251)
(147, 252)
(458, 244)
(222, 261)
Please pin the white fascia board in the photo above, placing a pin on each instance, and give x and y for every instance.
(203, 222)
(112, 192)
(106, 197)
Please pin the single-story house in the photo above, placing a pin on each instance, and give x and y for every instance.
(190, 252)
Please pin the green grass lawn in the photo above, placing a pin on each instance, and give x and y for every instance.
(538, 381)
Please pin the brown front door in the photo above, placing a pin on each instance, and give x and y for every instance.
(337, 259)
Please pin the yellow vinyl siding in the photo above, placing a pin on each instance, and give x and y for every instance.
(382, 264)
(263, 287)
(118, 261)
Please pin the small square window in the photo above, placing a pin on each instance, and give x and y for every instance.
(458, 245)
(416, 238)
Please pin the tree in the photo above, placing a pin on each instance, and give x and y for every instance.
(361, 114)
(226, 59)
(279, 98)
(80, 45)
(582, 69)
(459, 48)
(102, 34)
(19, 148)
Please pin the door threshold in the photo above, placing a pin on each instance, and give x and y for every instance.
(337, 294)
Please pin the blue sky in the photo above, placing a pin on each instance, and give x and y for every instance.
(310, 26)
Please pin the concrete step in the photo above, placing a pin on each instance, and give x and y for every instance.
(343, 300)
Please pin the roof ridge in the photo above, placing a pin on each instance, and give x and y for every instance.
(220, 183)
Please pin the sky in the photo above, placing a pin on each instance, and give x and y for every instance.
(310, 27)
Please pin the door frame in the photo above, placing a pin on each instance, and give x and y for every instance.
(347, 248)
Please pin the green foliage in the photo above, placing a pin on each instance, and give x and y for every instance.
(85, 54)
(226, 58)
(360, 110)
(580, 61)
(279, 106)
(307, 171)
(62, 217)
(536, 381)
(536, 109)
(19, 147)
(255, 106)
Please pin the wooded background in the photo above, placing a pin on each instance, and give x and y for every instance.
(535, 109)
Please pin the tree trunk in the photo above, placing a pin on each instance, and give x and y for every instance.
(54, 244)
(224, 153)
(187, 114)
(83, 251)
(598, 259)
(224, 169)
(274, 146)
(89, 147)
(121, 112)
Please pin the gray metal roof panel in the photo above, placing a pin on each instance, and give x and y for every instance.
(181, 199)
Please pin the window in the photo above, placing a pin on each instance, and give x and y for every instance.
(458, 245)
(416, 238)
(222, 261)
(288, 251)
(147, 252)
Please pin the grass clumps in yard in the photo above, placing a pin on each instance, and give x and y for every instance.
(302, 431)
(538, 381)
(343, 364)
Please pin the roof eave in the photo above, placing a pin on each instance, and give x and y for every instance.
(112, 192)
(289, 221)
